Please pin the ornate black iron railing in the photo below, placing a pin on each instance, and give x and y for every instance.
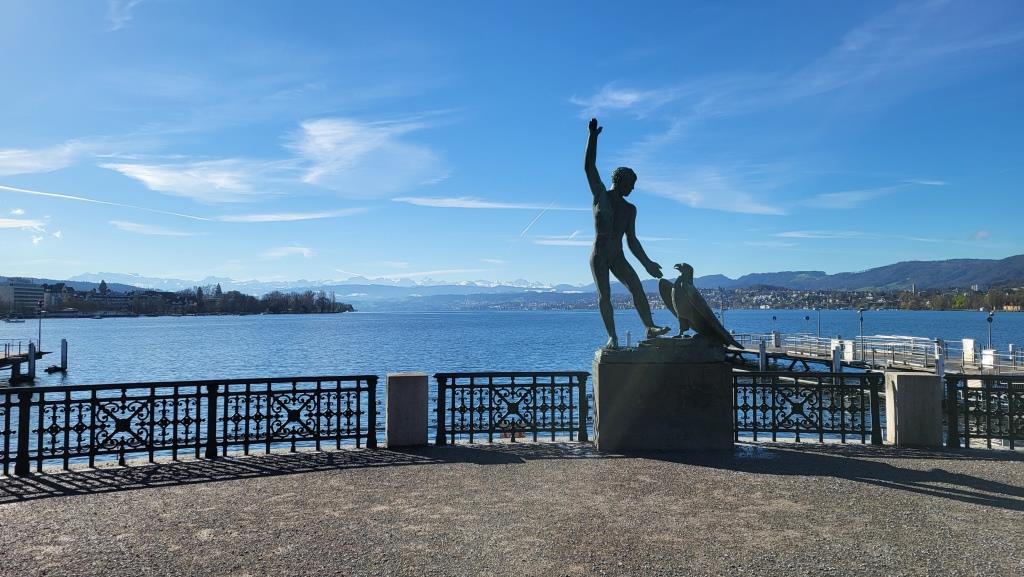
(489, 404)
(201, 418)
(984, 408)
(817, 405)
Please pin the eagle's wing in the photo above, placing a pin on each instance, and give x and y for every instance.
(703, 318)
(665, 288)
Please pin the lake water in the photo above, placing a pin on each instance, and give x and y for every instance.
(178, 348)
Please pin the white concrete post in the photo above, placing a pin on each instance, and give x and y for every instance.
(762, 356)
(63, 354)
(776, 339)
(940, 358)
(968, 346)
(31, 361)
(837, 358)
(913, 409)
(406, 411)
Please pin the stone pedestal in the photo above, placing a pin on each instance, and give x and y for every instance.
(665, 395)
(406, 420)
(913, 409)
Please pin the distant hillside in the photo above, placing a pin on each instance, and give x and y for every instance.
(939, 274)
(942, 274)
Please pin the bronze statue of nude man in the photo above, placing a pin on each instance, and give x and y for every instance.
(613, 218)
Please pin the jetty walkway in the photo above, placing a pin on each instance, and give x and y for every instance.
(879, 353)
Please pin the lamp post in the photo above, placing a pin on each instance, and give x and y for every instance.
(819, 322)
(991, 313)
(860, 314)
(807, 320)
(773, 323)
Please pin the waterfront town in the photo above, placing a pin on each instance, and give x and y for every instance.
(22, 298)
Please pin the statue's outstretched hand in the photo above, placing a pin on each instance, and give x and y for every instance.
(594, 128)
(654, 269)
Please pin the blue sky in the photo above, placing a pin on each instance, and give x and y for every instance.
(444, 140)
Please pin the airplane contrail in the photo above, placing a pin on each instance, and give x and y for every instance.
(535, 219)
(96, 201)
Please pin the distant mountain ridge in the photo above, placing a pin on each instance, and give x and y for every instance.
(943, 274)
(939, 274)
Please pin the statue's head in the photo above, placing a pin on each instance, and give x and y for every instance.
(623, 180)
(685, 271)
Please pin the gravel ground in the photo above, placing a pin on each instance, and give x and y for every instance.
(527, 509)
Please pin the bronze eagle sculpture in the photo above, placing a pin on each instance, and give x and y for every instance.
(686, 303)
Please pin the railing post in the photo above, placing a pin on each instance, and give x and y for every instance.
(21, 464)
(952, 413)
(584, 408)
(371, 416)
(876, 412)
(211, 421)
(440, 438)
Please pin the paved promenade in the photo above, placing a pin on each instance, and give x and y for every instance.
(527, 509)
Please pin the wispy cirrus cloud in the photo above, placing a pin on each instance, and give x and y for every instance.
(149, 229)
(848, 199)
(286, 251)
(289, 216)
(33, 161)
(821, 234)
(119, 13)
(981, 235)
(615, 97)
(17, 211)
(22, 223)
(361, 159)
(208, 181)
(712, 188)
(476, 203)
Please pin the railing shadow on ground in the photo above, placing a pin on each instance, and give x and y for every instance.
(864, 464)
(136, 475)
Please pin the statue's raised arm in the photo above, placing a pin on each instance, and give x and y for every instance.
(590, 160)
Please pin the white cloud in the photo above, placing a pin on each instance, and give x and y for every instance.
(476, 203)
(209, 181)
(289, 216)
(22, 223)
(364, 159)
(32, 161)
(119, 13)
(444, 272)
(562, 242)
(148, 229)
(17, 211)
(285, 251)
(981, 235)
(925, 182)
(821, 234)
(711, 188)
(492, 260)
(848, 198)
(37, 239)
(615, 98)
(58, 235)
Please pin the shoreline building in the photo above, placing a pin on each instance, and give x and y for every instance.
(20, 296)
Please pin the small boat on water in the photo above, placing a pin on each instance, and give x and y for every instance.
(13, 320)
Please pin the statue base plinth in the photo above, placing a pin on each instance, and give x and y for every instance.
(668, 394)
